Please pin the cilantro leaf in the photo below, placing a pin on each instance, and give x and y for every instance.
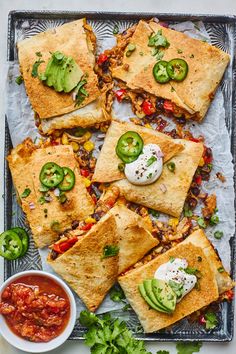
(81, 92)
(117, 294)
(108, 335)
(201, 222)
(158, 40)
(178, 288)
(214, 220)
(151, 160)
(188, 347)
(211, 320)
(110, 251)
(26, 193)
(19, 80)
(35, 67)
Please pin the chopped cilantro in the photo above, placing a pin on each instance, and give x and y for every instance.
(179, 51)
(35, 67)
(188, 347)
(172, 259)
(26, 193)
(171, 166)
(141, 53)
(116, 29)
(81, 92)
(201, 222)
(149, 175)
(162, 352)
(41, 200)
(110, 251)
(218, 234)
(154, 213)
(121, 166)
(178, 288)
(109, 335)
(193, 271)
(172, 89)
(55, 226)
(187, 212)
(117, 294)
(62, 198)
(151, 160)
(211, 320)
(221, 270)
(43, 188)
(19, 80)
(214, 220)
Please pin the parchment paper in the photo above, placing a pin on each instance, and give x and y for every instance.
(21, 124)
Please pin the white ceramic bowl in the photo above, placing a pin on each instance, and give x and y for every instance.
(33, 347)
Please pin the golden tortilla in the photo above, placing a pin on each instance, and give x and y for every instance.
(153, 320)
(25, 162)
(169, 192)
(83, 268)
(199, 239)
(206, 68)
(106, 169)
(135, 238)
(72, 40)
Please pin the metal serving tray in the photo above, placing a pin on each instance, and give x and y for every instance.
(222, 31)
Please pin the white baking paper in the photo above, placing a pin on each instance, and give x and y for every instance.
(21, 124)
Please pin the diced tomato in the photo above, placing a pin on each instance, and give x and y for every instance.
(198, 180)
(168, 106)
(54, 142)
(195, 140)
(207, 159)
(120, 94)
(94, 198)
(86, 227)
(207, 155)
(229, 295)
(148, 107)
(202, 320)
(84, 172)
(102, 58)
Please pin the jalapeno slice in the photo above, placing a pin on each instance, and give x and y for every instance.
(160, 72)
(51, 175)
(24, 237)
(69, 180)
(130, 144)
(10, 245)
(124, 158)
(177, 69)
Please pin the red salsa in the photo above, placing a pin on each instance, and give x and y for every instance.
(35, 308)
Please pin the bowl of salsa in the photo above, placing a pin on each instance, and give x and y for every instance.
(37, 311)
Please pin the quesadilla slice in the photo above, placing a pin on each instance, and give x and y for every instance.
(135, 238)
(86, 266)
(199, 239)
(200, 64)
(107, 164)
(58, 71)
(49, 211)
(154, 319)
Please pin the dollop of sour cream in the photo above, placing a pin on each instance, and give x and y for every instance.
(148, 166)
(174, 270)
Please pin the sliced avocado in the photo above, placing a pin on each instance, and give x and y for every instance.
(72, 76)
(148, 289)
(148, 300)
(51, 73)
(164, 294)
(58, 85)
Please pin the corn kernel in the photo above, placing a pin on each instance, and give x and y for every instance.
(148, 126)
(87, 182)
(64, 139)
(173, 222)
(75, 146)
(90, 220)
(140, 114)
(201, 162)
(87, 135)
(89, 145)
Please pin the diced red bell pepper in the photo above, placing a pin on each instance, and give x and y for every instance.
(86, 227)
(207, 155)
(198, 180)
(84, 172)
(120, 94)
(102, 58)
(94, 198)
(168, 106)
(65, 245)
(148, 108)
